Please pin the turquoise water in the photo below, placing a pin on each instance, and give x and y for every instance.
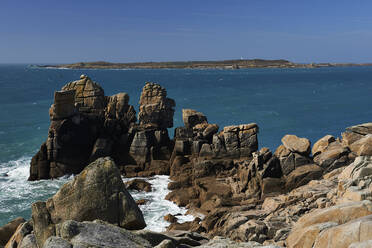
(307, 102)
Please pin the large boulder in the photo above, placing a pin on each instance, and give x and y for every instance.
(363, 146)
(18, 238)
(296, 144)
(93, 234)
(289, 160)
(334, 156)
(155, 108)
(98, 192)
(7, 230)
(322, 144)
(342, 236)
(312, 225)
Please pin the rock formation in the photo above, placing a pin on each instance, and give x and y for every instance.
(297, 196)
(96, 193)
(86, 124)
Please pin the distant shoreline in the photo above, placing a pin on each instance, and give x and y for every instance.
(221, 64)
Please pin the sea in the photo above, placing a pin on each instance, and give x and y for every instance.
(309, 103)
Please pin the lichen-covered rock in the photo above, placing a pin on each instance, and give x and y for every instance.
(98, 192)
(96, 234)
(19, 235)
(155, 108)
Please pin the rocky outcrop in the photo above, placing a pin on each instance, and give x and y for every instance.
(294, 152)
(86, 124)
(155, 108)
(96, 193)
(7, 230)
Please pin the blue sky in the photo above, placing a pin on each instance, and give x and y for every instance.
(67, 31)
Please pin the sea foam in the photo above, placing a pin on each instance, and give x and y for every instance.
(17, 194)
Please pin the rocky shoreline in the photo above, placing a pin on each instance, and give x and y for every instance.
(241, 196)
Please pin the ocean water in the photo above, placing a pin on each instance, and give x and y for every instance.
(307, 102)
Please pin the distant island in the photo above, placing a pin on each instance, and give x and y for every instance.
(222, 64)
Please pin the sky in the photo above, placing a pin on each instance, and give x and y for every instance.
(68, 31)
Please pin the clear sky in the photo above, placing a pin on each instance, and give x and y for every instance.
(64, 31)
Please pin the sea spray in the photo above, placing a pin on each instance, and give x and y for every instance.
(157, 207)
(17, 194)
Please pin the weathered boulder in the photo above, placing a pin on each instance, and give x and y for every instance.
(302, 175)
(8, 230)
(191, 118)
(333, 157)
(310, 227)
(95, 234)
(98, 192)
(289, 160)
(363, 146)
(296, 144)
(155, 108)
(19, 235)
(362, 129)
(341, 236)
(322, 144)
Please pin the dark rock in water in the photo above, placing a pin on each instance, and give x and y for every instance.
(170, 218)
(138, 184)
(4, 175)
(141, 201)
(98, 192)
(8, 230)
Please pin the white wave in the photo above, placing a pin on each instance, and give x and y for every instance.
(157, 207)
(17, 194)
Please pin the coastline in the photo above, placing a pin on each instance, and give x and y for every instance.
(222, 64)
